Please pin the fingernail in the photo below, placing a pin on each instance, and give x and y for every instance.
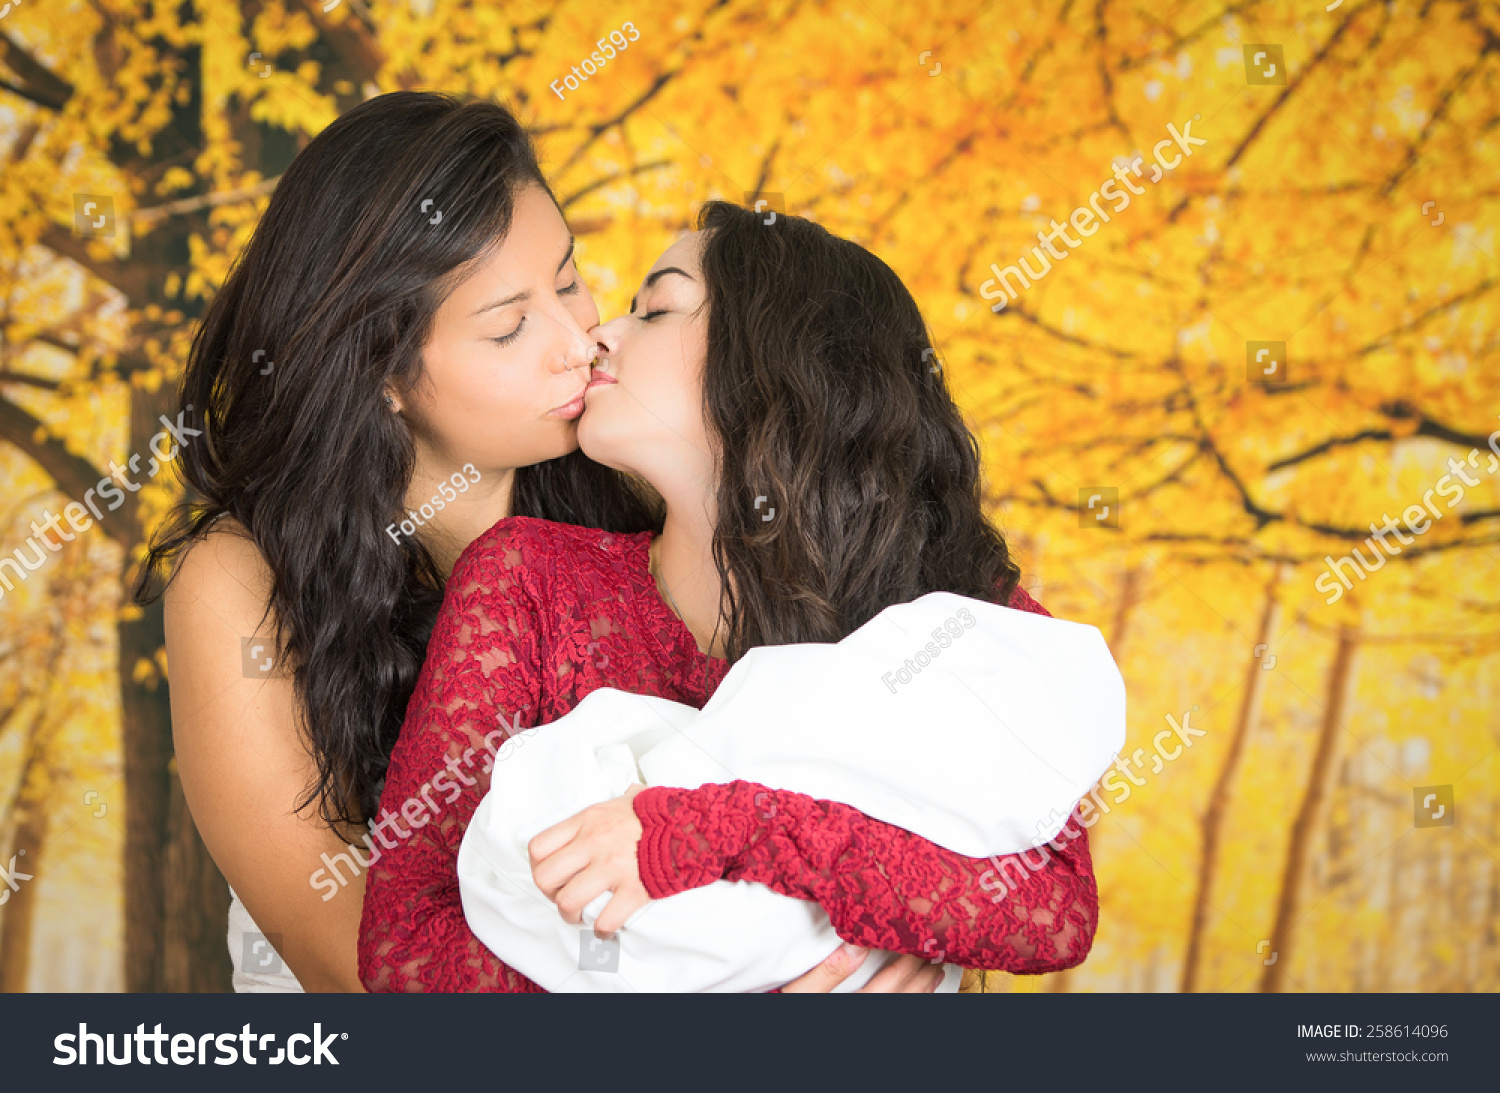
(852, 952)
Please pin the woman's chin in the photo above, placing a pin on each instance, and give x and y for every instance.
(598, 453)
(596, 445)
(588, 435)
(560, 440)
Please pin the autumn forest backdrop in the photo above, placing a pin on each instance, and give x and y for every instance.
(1289, 334)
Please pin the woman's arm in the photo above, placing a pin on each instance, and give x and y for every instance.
(479, 680)
(882, 886)
(244, 765)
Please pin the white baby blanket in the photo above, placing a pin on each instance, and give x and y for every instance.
(975, 726)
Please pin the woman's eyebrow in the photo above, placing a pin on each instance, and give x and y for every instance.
(522, 297)
(658, 275)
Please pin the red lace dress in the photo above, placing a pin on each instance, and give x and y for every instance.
(536, 616)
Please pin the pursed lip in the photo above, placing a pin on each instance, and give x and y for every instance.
(573, 407)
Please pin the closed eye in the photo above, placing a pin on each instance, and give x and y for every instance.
(507, 339)
(571, 290)
(646, 318)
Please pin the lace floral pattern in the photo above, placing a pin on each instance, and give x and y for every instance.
(538, 615)
(881, 886)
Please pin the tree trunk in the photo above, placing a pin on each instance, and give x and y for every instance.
(30, 815)
(1131, 585)
(187, 904)
(196, 907)
(30, 820)
(1223, 790)
(1340, 678)
(147, 735)
(176, 902)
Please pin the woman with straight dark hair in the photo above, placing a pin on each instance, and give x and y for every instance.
(361, 425)
(396, 361)
(773, 384)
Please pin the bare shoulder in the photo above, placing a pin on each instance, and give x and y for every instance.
(223, 574)
(216, 616)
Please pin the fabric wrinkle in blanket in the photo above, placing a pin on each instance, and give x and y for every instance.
(984, 749)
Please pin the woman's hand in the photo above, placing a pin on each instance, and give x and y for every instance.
(593, 852)
(904, 975)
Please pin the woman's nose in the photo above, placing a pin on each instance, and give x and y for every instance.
(607, 336)
(578, 351)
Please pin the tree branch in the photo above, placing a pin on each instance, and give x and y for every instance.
(1426, 426)
(131, 279)
(7, 376)
(600, 183)
(1292, 86)
(594, 131)
(358, 55)
(43, 87)
(73, 474)
(201, 201)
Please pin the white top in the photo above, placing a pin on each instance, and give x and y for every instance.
(258, 967)
(975, 726)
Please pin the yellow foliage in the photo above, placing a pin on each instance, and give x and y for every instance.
(1347, 216)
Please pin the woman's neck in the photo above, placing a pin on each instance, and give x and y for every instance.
(683, 564)
(461, 520)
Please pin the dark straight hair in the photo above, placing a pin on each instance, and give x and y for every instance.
(822, 397)
(337, 290)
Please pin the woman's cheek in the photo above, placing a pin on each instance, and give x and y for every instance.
(662, 400)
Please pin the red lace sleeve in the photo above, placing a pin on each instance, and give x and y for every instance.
(881, 885)
(481, 669)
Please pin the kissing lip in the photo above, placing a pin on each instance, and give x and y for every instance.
(600, 379)
(572, 408)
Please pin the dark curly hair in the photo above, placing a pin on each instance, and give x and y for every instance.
(339, 286)
(823, 400)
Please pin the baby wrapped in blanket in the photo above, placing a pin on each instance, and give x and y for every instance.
(973, 725)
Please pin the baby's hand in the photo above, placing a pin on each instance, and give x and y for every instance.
(589, 854)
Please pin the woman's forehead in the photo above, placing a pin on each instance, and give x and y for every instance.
(683, 253)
